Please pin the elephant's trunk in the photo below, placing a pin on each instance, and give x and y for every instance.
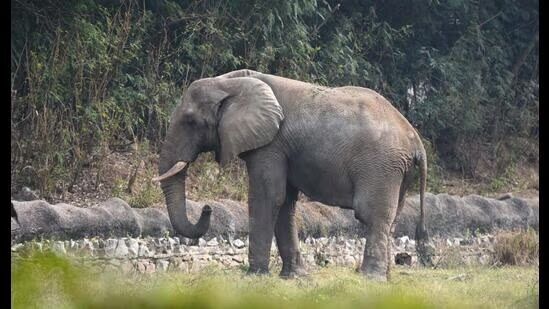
(174, 191)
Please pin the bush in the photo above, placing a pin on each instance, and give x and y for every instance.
(517, 248)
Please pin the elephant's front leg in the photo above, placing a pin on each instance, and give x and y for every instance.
(267, 191)
(286, 237)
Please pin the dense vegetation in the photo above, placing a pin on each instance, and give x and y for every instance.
(90, 76)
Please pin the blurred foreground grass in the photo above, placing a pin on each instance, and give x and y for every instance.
(47, 281)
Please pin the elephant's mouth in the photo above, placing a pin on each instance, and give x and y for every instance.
(174, 170)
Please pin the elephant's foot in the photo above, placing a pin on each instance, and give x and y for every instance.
(294, 272)
(258, 271)
(374, 275)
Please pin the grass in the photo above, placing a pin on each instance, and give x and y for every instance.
(43, 280)
(517, 247)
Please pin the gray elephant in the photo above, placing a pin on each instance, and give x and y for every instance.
(346, 147)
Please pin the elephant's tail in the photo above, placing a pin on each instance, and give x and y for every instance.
(422, 236)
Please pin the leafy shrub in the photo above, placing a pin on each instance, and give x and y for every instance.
(90, 75)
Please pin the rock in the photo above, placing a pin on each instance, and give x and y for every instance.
(26, 194)
(126, 266)
(59, 247)
(323, 241)
(37, 246)
(133, 247)
(181, 249)
(349, 260)
(457, 241)
(16, 247)
(238, 259)
(202, 242)
(403, 258)
(121, 249)
(402, 241)
(349, 244)
(150, 268)
(110, 247)
(212, 243)
(144, 251)
(410, 246)
(466, 242)
(162, 265)
(87, 247)
(189, 242)
(141, 267)
(505, 196)
(238, 243)
(172, 242)
(73, 245)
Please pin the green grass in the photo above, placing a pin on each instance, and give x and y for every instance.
(47, 281)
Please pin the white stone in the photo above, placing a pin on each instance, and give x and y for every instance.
(133, 247)
(162, 265)
(212, 243)
(201, 242)
(171, 242)
(16, 247)
(110, 246)
(402, 241)
(349, 260)
(238, 243)
(144, 251)
(59, 247)
(73, 245)
(121, 249)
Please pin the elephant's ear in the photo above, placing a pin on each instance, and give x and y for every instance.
(250, 116)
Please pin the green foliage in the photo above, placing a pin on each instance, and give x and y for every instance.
(90, 75)
(46, 280)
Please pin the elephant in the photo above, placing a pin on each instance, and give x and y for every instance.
(341, 146)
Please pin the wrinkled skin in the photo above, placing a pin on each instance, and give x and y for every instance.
(346, 147)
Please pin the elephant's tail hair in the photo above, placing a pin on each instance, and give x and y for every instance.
(422, 160)
(422, 236)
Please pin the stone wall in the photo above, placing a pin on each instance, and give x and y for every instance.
(146, 255)
(446, 216)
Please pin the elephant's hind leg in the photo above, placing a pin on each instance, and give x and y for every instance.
(408, 178)
(376, 208)
(287, 239)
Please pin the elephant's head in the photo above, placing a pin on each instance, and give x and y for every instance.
(222, 114)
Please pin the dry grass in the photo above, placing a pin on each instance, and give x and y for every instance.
(517, 248)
